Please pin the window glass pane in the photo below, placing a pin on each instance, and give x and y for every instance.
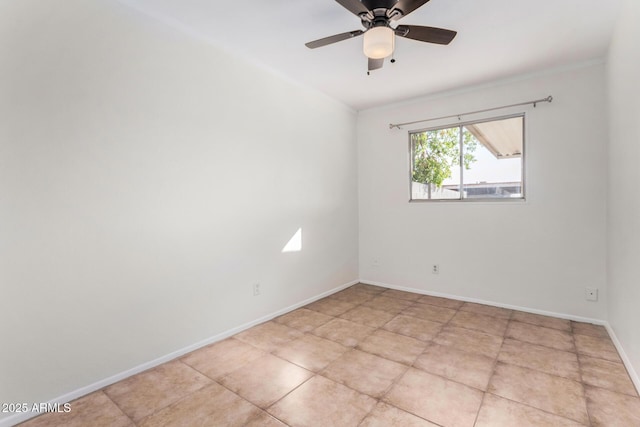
(493, 159)
(436, 164)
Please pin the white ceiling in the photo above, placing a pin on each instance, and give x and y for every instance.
(496, 39)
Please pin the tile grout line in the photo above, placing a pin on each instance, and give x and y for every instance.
(266, 409)
(379, 399)
(582, 386)
(380, 327)
(102, 390)
(399, 377)
(543, 345)
(534, 408)
(413, 303)
(351, 348)
(493, 370)
(316, 374)
(235, 393)
(411, 366)
(183, 397)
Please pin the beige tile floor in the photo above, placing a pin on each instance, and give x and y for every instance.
(369, 356)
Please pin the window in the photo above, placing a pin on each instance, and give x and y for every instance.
(473, 161)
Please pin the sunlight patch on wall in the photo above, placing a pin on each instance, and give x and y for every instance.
(295, 243)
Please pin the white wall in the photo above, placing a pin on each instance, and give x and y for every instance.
(540, 254)
(146, 181)
(624, 180)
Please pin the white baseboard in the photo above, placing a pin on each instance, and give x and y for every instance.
(623, 355)
(83, 391)
(625, 359)
(18, 418)
(491, 303)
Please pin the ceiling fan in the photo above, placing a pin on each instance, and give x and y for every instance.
(379, 35)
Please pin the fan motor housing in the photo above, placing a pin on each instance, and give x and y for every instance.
(379, 4)
(379, 17)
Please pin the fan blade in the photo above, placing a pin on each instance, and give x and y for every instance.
(425, 34)
(353, 6)
(408, 6)
(333, 39)
(375, 64)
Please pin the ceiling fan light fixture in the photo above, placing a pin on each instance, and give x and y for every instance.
(379, 42)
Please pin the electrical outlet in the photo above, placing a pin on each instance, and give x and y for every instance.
(592, 294)
(256, 289)
(435, 269)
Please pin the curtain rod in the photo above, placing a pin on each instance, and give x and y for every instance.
(537, 101)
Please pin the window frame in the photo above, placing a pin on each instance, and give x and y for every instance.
(477, 199)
